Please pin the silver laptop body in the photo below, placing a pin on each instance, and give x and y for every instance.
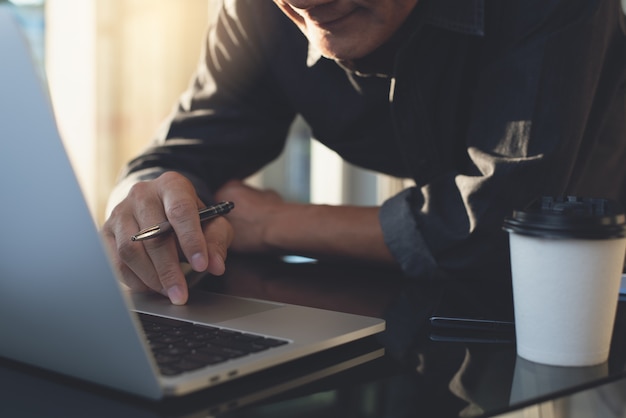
(61, 307)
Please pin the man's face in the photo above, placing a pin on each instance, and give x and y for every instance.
(347, 29)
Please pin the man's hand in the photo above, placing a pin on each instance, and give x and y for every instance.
(255, 212)
(155, 263)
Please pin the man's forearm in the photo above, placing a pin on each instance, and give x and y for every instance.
(325, 231)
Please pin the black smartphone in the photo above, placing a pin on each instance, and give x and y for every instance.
(474, 330)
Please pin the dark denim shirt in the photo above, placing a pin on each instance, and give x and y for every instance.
(488, 104)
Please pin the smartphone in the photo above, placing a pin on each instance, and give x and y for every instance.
(476, 330)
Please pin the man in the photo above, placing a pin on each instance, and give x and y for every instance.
(484, 104)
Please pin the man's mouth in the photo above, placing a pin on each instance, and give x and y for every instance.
(328, 21)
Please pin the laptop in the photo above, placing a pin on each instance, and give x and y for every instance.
(62, 307)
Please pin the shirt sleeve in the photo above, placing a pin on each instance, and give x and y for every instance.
(403, 238)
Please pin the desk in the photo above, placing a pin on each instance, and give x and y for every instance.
(415, 377)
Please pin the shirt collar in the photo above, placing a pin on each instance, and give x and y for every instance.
(463, 16)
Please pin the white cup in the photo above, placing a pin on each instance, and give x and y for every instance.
(567, 257)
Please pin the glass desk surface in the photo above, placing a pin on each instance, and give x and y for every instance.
(406, 371)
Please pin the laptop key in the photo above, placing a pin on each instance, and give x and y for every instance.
(166, 339)
(163, 359)
(246, 347)
(225, 352)
(206, 358)
(186, 365)
(173, 351)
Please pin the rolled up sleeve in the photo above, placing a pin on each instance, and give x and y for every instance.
(403, 237)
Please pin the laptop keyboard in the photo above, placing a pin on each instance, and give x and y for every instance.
(181, 346)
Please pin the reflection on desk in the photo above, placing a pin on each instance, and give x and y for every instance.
(415, 377)
(599, 401)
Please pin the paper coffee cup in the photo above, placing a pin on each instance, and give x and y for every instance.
(567, 257)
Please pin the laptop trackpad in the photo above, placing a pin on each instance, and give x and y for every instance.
(201, 306)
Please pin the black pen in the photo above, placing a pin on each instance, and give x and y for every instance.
(205, 214)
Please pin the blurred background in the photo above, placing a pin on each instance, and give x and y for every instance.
(115, 69)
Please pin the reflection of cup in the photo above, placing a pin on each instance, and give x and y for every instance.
(533, 380)
(567, 257)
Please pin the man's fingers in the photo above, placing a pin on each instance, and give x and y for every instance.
(181, 208)
(152, 263)
(164, 258)
(219, 234)
(126, 275)
(155, 263)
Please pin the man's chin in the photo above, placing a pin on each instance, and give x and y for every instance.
(344, 52)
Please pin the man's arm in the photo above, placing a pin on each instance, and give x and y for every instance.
(227, 125)
(263, 222)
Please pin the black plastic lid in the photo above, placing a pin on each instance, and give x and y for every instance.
(569, 217)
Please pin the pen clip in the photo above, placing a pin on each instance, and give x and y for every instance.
(147, 233)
